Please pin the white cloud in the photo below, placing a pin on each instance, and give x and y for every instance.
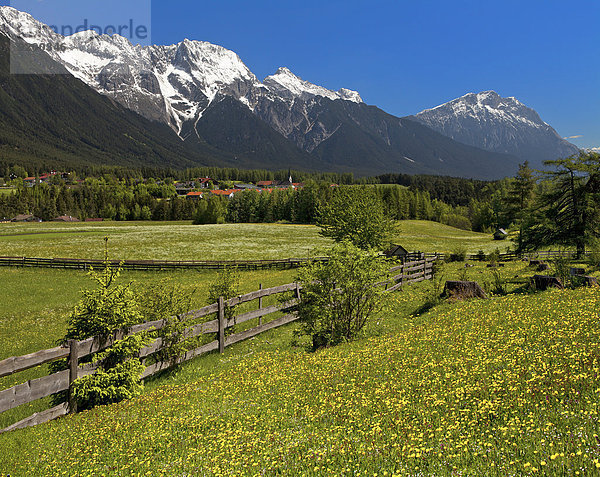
(574, 137)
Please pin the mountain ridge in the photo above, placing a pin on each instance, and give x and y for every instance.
(497, 124)
(213, 102)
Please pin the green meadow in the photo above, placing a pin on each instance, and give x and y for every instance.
(493, 387)
(160, 240)
(183, 241)
(504, 386)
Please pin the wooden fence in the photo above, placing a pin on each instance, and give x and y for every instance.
(75, 351)
(289, 263)
(504, 257)
(156, 265)
(409, 272)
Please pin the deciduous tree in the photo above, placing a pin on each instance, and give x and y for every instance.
(356, 215)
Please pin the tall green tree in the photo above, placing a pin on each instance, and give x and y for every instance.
(567, 211)
(356, 215)
(520, 197)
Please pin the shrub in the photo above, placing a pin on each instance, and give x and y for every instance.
(562, 269)
(494, 257)
(118, 376)
(459, 254)
(101, 312)
(168, 302)
(111, 307)
(339, 296)
(498, 284)
(105, 309)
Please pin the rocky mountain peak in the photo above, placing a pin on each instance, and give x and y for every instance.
(497, 124)
(289, 86)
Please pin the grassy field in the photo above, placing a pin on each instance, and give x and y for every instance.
(160, 241)
(426, 236)
(35, 303)
(182, 241)
(505, 386)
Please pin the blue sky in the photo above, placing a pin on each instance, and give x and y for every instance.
(404, 56)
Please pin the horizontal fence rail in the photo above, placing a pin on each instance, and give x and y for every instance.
(156, 265)
(75, 351)
(504, 257)
(289, 263)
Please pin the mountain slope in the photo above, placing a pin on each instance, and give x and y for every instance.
(229, 125)
(505, 125)
(353, 136)
(58, 119)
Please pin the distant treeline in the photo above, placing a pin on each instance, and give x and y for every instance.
(130, 199)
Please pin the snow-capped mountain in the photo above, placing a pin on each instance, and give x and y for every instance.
(211, 99)
(506, 125)
(287, 85)
(173, 84)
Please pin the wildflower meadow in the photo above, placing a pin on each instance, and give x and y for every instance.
(506, 386)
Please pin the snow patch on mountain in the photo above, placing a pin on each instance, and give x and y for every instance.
(287, 85)
(485, 106)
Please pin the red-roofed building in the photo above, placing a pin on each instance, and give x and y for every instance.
(264, 183)
(224, 193)
(47, 176)
(204, 182)
(194, 195)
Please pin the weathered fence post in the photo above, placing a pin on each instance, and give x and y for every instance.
(73, 367)
(260, 305)
(221, 325)
(298, 291)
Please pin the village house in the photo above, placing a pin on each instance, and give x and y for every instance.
(25, 218)
(194, 195)
(183, 187)
(66, 218)
(229, 193)
(204, 182)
